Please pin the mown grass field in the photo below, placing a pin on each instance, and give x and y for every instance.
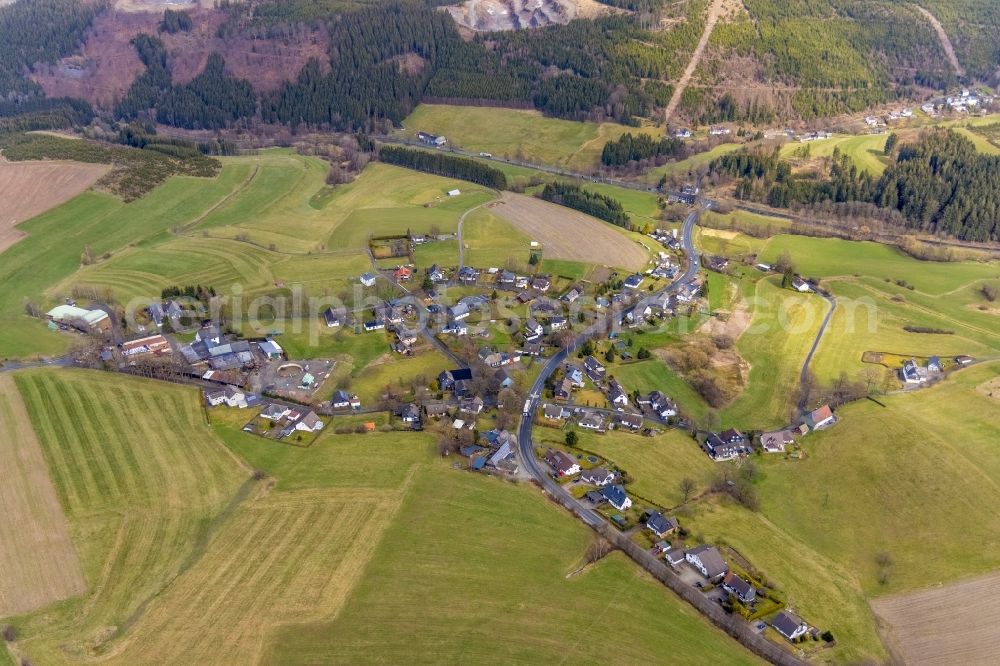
(918, 479)
(653, 374)
(515, 134)
(866, 150)
(830, 257)
(490, 241)
(140, 476)
(781, 331)
(503, 574)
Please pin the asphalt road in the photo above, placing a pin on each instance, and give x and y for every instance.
(525, 445)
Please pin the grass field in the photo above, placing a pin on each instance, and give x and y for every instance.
(510, 133)
(922, 473)
(829, 257)
(140, 477)
(504, 574)
(865, 150)
(782, 329)
(490, 241)
(37, 557)
(658, 464)
(653, 374)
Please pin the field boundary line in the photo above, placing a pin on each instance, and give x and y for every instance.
(245, 183)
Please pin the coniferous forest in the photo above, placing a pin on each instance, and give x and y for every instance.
(597, 205)
(442, 164)
(940, 184)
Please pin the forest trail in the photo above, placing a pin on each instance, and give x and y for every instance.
(714, 11)
(949, 50)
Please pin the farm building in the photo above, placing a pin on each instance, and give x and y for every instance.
(85, 320)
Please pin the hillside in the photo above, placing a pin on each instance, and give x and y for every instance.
(311, 62)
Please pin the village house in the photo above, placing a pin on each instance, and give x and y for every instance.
(436, 410)
(410, 413)
(776, 441)
(368, 279)
(598, 476)
(402, 273)
(532, 330)
(374, 325)
(309, 423)
(708, 561)
(617, 395)
(455, 328)
(727, 446)
(633, 281)
(561, 463)
(431, 139)
(674, 557)
(275, 412)
(344, 400)
(659, 524)
(154, 344)
(739, 588)
(503, 378)
(594, 369)
(563, 390)
(532, 349)
(459, 311)
(506, 279)
(468, 275)
(821, 418)
(591, 420)
(334, 317)
(557, 323)
(571, 295)
(271, 349)
(541, 284)
(628, 421)
(554, 412)
(574, 374)
(473, 405)
(789, 625)
(436, 274)
(616, 496)
(798, 284)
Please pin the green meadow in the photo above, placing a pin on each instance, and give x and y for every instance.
(516, 134)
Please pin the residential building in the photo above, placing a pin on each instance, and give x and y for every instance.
(633, 281)
(659, 524)
(616, 394)
(574, 374)
(821, 418)
(154, 344)
(374, 325)
(594, 369)
(708, 561)
(532, 330)
(628, 421)
(271, 349)
(410, 413)
(334, 318)
(776, 441)
(455, 328)
(598, 476)
(368, 279)
(739, 588)
(309, 423)
(562, 463)
(616, 496)
(591, 420)
(554, 412)
(431, 139)
(798, 284)
(789, 625)
(727, 446)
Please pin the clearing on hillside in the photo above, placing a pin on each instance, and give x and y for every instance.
(28, 189)
(37, 558)
(568, 234)
(951, 624)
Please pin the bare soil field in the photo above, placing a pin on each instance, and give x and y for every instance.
(567, 234)
(951, 624)
(38, 562)
(28, 189)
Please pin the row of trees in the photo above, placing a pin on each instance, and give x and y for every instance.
(443, 164)
(598, 205)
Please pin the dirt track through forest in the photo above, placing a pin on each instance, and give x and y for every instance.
(949, 50)
(714, 11)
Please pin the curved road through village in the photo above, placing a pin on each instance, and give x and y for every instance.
(524, 441)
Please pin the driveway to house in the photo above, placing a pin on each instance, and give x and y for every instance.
(803, 374)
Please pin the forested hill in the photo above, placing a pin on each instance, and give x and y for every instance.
(939, 184)
(357, 65)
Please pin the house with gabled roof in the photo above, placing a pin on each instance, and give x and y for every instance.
(821, 418)
(628, 421)
(574, 374)
(310, 422)
(659, 524)
(532, 330)
(597, 476)
(334, 317)
(708, 561)
(554, 412)
(562, 463)
(739, 588)
(591, 420)
(726, 446)
(368, 279)
(776, 441)
(616, 496)
(616, 394)
(594, 369)
(789, 625)
(633, 281)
